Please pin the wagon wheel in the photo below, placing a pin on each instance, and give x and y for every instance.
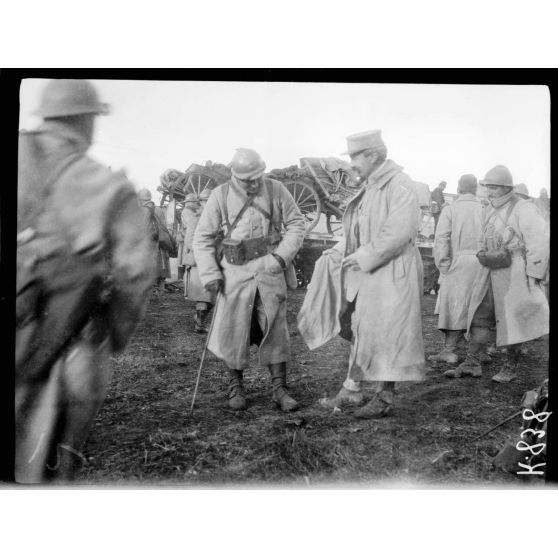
(195, 183)
(334, 224)
(307, 200)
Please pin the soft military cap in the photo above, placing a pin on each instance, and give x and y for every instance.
(467, 183)
(372, 139)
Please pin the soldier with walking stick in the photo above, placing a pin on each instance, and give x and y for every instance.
(260, 229)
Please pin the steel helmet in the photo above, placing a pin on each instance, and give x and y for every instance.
(521, 190)
(70, 97)
(498, 176)
(144, 195)
(246, 164)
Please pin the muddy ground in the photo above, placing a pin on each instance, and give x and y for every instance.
(145, 433)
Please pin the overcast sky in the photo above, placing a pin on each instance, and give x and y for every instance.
(436, 132)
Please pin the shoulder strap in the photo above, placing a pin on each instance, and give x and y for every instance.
(505, 220)
(225, 209)
(232, 226)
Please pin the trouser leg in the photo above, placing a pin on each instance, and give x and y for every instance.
(86, 377)
(448, 354)
(202, 310)
(480, 336)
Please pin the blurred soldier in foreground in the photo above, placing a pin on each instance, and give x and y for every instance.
(248, 213)
(382, 278)
(507, 292)
(455, 246)
(193, 289)
(84, 268)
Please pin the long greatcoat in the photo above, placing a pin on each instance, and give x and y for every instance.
(230, 337)
(193, 289)
(380, 226)
(522, 312)
(457, 241)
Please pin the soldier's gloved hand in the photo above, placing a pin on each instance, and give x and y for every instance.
(215, 287)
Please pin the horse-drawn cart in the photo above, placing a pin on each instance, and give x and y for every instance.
(321, 188)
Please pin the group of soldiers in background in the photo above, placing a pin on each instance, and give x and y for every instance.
(90, 248)
(493, 259)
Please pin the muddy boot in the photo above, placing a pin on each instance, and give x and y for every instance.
(199, 320)
(471, 366)
(237, 398)
(281, 396)
(378, 407)
(344, 398)
(447, 354)
(507, 372)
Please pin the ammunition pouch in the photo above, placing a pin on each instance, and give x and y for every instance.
(239, 252)
(495, 259)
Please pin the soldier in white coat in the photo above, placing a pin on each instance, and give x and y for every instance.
(508, 292)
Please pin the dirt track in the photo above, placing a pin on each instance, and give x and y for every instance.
(144, 432)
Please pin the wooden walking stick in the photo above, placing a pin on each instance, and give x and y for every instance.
(204, 351)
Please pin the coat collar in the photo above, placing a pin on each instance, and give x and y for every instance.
(382, 175)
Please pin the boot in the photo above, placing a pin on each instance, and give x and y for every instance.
(199, 320)
(447, 354)
(281, 396)
(181, 271)
(378, 407)
(507, 372)
(237, 397)
(471, 366)
(344, 398)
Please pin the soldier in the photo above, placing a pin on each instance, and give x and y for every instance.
(84, 268)
(438, 201)
(543, 204)
(155, 218)
(249, 211)
(507, 291)
(382, 278)
(193, 289)
(455, 247)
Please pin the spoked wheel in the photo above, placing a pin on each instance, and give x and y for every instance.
(334, 224)
(307, 200)
(194, 183)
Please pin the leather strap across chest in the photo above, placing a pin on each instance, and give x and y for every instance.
(249, 202)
